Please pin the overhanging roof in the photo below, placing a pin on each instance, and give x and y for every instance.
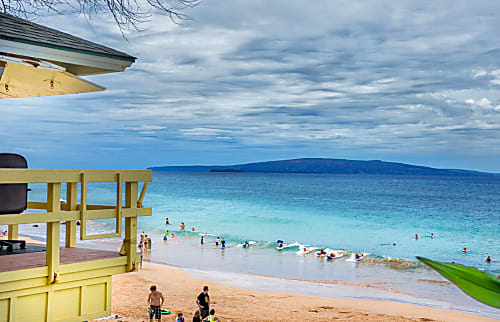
(36, 60)
(24, 31)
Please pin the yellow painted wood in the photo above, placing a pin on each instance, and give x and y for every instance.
(71, 203)
(119, 203)
(38, 217)
(83, 205)
(13, 231)
(143, 193)
(131, 225)
(23, 274)
(53, 232)
(67, 175)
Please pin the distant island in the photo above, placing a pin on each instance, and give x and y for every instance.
(328, 166)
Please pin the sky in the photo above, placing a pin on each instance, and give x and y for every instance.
(405, 81)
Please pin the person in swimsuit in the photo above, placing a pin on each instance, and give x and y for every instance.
(167, 222)
(322, 252)
(464, 250)
(246, 244)
(201, 240)
(416, 236)
(217, 241)
(182, 226)
(488, 259)
(155, 302)
(223, 242)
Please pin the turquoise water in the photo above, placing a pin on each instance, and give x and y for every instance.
(353, 213)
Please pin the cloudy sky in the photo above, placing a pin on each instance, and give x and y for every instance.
(261, 80)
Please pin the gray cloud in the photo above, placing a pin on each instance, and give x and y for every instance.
(254, 80)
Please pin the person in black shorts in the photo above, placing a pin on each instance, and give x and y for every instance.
(203, 302)
(155, 301)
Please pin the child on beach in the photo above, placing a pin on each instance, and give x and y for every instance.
(223, 242)
(141, 249)
(211, 317)
(197, 316)
(217, 241)
(180, 318)
(201, 241)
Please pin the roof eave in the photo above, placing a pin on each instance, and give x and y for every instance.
(82, 62)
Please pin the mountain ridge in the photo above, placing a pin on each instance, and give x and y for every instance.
(328, 166)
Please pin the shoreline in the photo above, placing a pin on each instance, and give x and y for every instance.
(245, 304)
(180, 284)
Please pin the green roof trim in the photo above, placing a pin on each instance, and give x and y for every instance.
(81, 51)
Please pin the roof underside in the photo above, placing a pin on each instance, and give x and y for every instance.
(23, 31)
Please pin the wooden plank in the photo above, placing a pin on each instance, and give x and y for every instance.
(53, 232)
(143, 193)
(83, 206)
(70, 175)
(71, 203)
(131, 225)
(40, 217)
(13, 230)
(119, 203)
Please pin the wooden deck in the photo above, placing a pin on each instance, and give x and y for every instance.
(37, 259)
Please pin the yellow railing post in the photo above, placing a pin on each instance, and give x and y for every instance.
(71, 201)
(53, 231)
(131, 224)
(14, 232)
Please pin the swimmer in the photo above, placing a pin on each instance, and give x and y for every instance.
(165, 235)
(192, 229)
(217, 241)
(280, 245)
(201, 240)
(464, 250)
(304, 250)
(357, 256)
(393, 244)
(223, 242)
(322, 252)
(332, 255)
(173, 235)
(167, 222)
(416, 236)
(182, 226)
(246, 244)
(488, 259)
(432, 235)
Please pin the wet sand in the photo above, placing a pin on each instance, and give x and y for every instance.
(130, 293)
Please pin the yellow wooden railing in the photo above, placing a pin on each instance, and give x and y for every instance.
(71, 210)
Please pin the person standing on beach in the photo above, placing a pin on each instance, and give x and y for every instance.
(223, 242)
(217, 241)
(155, 302)
(141, 249)
(203, 301)
(201, 241)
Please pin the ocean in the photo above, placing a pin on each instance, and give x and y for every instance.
(376, 215)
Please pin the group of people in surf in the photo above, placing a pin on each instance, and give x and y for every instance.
(464, 250)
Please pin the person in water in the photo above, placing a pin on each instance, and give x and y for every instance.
(464, 250)
(201, 240)
(223, 242)
(432, 235)
(304, 250)
(488, 259)
(246, 244)
(322, 252)
(165, 236)
(172, 235)
(332, 255)
(416, 236)
(182, 226)
(167, 222)
(217, 241)
(192, 229)
(280, 245)
(357, 256)
(211, 317)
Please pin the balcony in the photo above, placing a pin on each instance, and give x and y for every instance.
(69, 283)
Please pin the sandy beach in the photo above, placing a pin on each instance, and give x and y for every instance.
(130, 293)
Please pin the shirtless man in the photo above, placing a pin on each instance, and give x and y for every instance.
(155, 302)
